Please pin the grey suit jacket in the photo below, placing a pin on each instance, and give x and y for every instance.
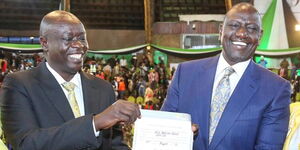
(37, 116)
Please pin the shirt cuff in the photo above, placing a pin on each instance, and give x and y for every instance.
(96, 132)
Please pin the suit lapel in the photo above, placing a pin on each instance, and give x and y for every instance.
(239, 99)
(54, 93)
(208, 72)
(89, 94)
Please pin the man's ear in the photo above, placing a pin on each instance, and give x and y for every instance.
(44, 43)
(260, 36)
(220, 31)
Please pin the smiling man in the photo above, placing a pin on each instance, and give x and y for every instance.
(237, 104)
(56, 106)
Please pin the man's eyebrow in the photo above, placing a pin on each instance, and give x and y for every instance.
(70, 33)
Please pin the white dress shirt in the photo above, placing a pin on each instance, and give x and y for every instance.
(234, 78)
(78, 91)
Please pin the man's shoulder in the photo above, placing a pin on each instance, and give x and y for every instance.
(24, 74)
(199, 62)
(268, 76)
(26, 77)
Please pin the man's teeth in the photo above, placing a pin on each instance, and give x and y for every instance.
(240, 43)
(75, 56)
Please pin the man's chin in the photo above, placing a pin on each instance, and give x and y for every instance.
(74, 70)
(240, 59)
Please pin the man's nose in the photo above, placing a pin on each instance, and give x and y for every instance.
(242, 33)
(78, 44)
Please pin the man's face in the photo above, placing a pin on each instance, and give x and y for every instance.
(240, 34)
(67, 46)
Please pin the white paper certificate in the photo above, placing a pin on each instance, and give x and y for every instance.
(160, 130)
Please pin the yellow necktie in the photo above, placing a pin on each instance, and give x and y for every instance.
(69, 86)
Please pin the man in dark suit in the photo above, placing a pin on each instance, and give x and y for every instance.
(39, 112)
(237, 104)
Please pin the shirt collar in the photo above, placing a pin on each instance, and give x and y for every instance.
(76, 79)
(239, 68)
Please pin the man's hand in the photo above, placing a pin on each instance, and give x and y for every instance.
(195, 129)
(119, 112)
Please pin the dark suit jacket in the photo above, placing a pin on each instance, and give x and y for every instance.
(36, 114)
(256, 116)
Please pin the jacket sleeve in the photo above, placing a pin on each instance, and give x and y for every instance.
(274, 125)
(171, 102)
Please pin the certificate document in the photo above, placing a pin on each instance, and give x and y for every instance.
(160, 130)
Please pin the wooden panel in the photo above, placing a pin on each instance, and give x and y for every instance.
(168, 10)
(183, 27)
(110, 14)
(24, 15)
(239, 1)
(103, 14)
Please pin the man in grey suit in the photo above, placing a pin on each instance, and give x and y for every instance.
(40, 113)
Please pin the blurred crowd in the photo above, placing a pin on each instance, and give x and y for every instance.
(12, 62)
(136, 78)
